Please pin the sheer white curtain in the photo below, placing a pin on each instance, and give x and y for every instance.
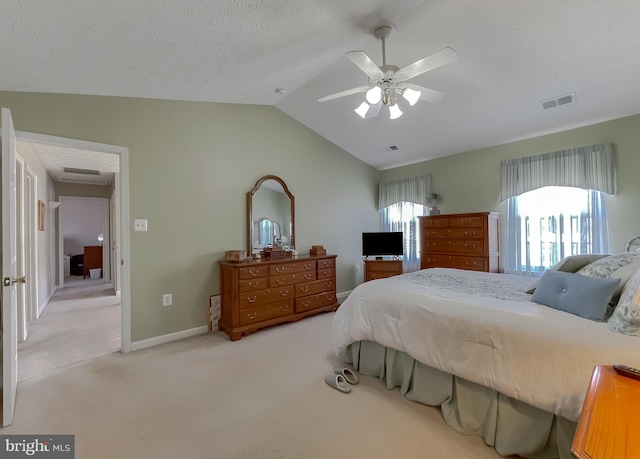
(590, 168)
(400, 203)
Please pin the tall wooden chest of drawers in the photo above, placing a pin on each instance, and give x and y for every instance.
(267, 292)
(464, 241)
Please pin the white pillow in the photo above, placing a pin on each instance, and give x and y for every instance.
(571, 264)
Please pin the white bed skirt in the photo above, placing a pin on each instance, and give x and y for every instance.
(510, 426)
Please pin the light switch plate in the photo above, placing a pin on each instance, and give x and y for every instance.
(140, 224)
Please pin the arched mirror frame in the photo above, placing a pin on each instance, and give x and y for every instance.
(250, 195)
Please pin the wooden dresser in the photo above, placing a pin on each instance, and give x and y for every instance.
(379, 269)
(267, 292)
(464, 241)
(92, 258)
(609, 423)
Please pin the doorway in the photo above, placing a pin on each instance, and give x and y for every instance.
(117, 256)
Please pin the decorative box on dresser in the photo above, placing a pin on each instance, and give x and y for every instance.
(464, 241)
(379, 269)
(267, 292)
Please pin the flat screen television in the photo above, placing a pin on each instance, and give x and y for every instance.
(382, 243)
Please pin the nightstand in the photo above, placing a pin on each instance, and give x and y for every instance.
(379, 269)
(610, 420)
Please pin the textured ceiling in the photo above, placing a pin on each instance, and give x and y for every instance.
(511, 56)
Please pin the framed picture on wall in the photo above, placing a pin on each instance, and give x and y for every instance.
(40, 215)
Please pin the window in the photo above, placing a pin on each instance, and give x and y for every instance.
(550, 223)
(403, 216)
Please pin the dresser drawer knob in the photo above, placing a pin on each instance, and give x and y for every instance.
(308, 265)
(328, 284)
(284, 292)
(304, 288)
(284, 308)
(254, 273)
(251, 300)
(252, 315)
(330, 297)
(279, 281)
(280, 268)
(307, 276)
(305, 304)
(326, 273)
(254, 284)
(326, 263)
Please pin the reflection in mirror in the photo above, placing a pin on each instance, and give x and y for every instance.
(270, 215)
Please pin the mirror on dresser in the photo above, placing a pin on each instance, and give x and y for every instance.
(270, 215)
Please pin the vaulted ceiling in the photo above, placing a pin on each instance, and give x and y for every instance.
(512, 55)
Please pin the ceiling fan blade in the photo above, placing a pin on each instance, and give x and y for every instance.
(426, 94)
(348, 92)
(365, 64)
(444, 56)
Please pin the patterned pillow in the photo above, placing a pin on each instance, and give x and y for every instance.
(622, 266)
(626, 316)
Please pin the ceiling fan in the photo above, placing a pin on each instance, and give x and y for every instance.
(388, 82)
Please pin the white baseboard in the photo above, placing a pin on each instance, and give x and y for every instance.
(142, 344)
(342, 296)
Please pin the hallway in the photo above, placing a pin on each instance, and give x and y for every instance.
(82, 321)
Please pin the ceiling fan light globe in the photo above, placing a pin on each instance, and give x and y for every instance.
(362, 109)
(374, 95)
(411, 96)
(394, 112)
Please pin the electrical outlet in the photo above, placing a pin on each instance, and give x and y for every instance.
(139, 224)
(167, 299)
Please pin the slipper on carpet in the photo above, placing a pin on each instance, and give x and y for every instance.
(338, 382)
(348, 374)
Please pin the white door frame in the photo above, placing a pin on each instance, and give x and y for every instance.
(31, 239)
(21, 261)
(123, 188)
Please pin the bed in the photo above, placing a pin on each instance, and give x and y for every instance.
(498, 364)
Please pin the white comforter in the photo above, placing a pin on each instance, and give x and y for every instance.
(483, 327)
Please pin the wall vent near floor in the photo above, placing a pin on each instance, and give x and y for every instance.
(390, 148)
(557, 101)
(75, 170)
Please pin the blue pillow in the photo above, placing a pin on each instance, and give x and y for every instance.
(583, 296)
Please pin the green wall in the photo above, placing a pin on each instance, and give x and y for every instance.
(470, 181)
(191, 164)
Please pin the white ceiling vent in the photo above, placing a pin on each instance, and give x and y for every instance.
(390, 148)
(75, 170)
(557, 101)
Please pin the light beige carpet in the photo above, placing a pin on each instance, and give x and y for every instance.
(207, 397)
(81, 321)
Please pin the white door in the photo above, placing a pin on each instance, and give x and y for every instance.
(9, 271)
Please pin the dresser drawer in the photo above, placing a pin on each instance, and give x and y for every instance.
(453, 233)
(436, 222)
(470, 247)
(329, 273)
(288, 268)
(385, 266)
(253, 284)
(260, 313)
(289, 279)
(327, 263)
(263, 297)
(311, 288)
(459, 262)
(379, 275)
(251, 272)
(315, 301)
(467, 222)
